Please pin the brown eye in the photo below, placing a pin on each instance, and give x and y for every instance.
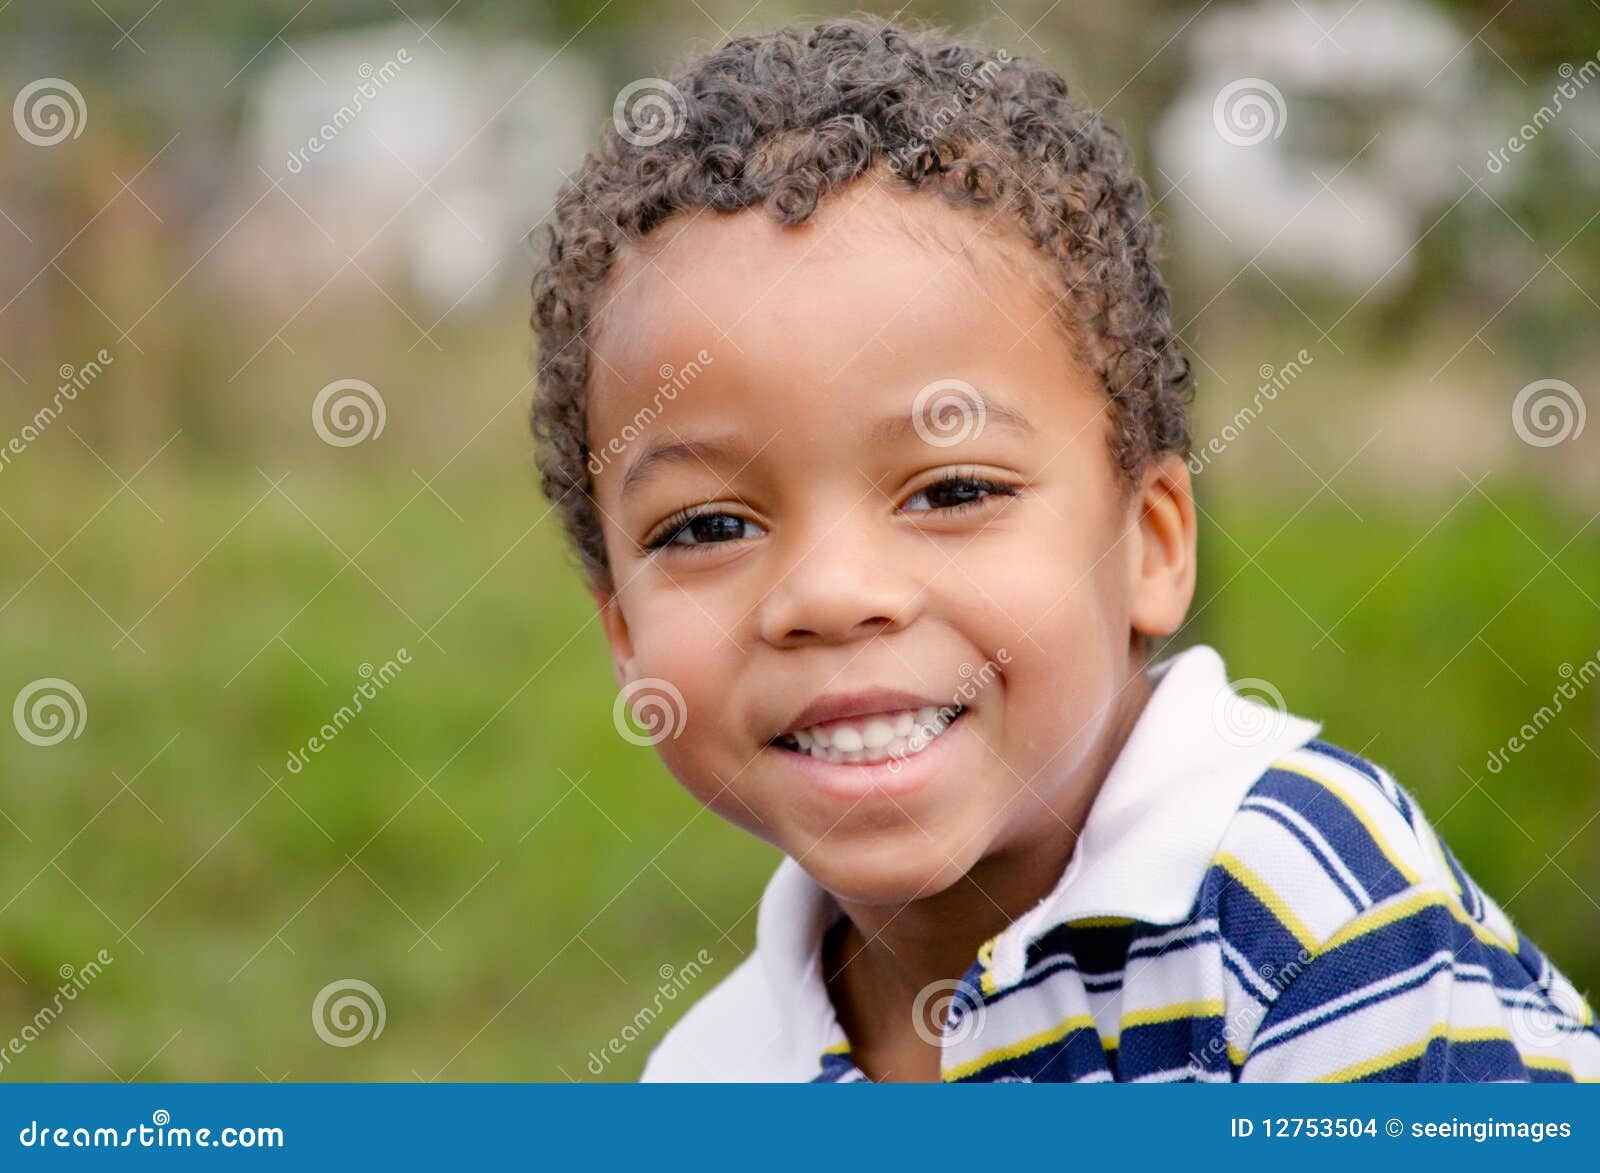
(957, 493)
(705, 529)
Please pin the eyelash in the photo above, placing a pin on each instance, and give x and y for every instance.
(676, 524)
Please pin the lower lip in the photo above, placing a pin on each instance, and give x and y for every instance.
(890, 778)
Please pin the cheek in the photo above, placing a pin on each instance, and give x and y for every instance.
(677, 642)
(1060, 614)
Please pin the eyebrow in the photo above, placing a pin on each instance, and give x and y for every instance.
(989, 413)
(664, 453)
(660, 455)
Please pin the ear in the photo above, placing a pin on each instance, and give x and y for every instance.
(615, 625)
(1163, 563)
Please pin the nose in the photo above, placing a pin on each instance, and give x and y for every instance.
(838, 586)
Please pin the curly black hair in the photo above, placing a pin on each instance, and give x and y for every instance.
(782, 119)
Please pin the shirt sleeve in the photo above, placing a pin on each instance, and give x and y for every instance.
(1422, 988)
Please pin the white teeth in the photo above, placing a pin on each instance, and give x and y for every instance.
(878, 733)
(879, 738)
(848, 738)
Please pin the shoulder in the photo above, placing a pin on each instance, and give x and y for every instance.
(734, 1034)
(1333, 831)
(1323, 839)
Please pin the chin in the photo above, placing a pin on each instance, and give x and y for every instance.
(888, 870)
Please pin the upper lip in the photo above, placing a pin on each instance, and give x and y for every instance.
(842, 706)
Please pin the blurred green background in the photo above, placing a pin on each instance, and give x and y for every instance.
(1380, 542)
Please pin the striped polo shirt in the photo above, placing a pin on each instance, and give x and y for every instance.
(1244, 902)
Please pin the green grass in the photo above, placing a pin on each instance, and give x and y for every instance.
(484, 797)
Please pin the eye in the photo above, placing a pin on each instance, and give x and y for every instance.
(703, 529)
(956, 493)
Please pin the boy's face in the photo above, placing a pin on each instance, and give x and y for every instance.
(795, 537)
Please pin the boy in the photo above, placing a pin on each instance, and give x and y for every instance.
(860, 400)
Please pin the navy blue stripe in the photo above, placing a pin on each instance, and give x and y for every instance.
(1311, 847)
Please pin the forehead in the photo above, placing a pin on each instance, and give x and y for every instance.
(881, 291)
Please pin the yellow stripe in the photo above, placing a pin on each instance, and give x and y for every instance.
(1257, 887)
(1361, 815)
(1100, 922)
(1158, 1014)
(1021, 1047)
(838, 1048)
(986, 959)
(1155, 1015)
(1393, 911)
(1410, 1051)
(1456, 907)
(1547, 1063)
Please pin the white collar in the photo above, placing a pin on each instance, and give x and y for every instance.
(1155, 825)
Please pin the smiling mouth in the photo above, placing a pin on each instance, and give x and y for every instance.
(881, 737)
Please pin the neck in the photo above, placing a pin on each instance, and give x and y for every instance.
(880, 958)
